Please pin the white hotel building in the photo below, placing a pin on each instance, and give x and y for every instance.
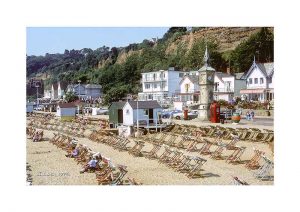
(160, 85)
(260, 85)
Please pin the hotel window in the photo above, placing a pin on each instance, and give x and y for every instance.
(154, 76)
(250, 81)
(147, 86)
(180, 74)
(155, 85)
(255, 80)
(127, 111)
(146, 112)
(164, 76)
(261, 80)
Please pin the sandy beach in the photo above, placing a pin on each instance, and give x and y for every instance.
(50, 166)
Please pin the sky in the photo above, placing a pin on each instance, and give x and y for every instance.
(42, 40)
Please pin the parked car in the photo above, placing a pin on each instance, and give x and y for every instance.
(191, 115)
(102, 111)
(39, 108)
(168, 114)
(87, 108)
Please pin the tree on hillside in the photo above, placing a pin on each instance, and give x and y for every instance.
(70, 97)
(115, 94)
(172, 30)
(194, 58)
(260, 45)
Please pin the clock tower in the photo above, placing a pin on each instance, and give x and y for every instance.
(206, 82)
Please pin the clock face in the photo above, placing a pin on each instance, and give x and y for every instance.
(209, 78)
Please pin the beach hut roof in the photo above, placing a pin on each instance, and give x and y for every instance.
(66, 105)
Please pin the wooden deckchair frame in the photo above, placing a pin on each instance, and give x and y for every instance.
(254, 161)
(205, 149)
(235, 157)
(217, 154)
(263, 172)
(152, 154)
(196, 169)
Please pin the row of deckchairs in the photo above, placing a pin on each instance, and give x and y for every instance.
(69, 129)
(165, 154)
(106, 172)
(247, 134)
(234, 157)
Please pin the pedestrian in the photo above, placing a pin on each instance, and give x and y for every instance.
(248, 115)
(252, 115)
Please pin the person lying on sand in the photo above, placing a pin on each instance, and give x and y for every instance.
(74, 153)
(91, 165)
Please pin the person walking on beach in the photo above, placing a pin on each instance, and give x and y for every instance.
(252, 115)
(248, 115)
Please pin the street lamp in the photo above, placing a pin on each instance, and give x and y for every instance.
(79, 81)
(79, 96)
(37, 94)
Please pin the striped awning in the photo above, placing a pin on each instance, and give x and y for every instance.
(249, 91)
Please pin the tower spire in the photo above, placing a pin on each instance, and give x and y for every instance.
(254, 59)
(206, 57)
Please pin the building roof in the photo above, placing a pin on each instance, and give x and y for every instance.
(206, 68)
(221, 74)
(239, 75)
(144, 104)
(193, 78)
(66, 105)
(167, 70)
(117, 105)
(266, 68)
(93, 86)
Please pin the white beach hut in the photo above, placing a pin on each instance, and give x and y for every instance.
(66, 111)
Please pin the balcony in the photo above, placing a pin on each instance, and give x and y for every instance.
(223, 90)
(185, 92)
(152, 79)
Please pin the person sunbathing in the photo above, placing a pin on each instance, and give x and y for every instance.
(74, 153)
(91, 165)
(37, 136)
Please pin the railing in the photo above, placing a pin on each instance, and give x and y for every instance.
(152, 79)
(189, 91)
(230, 90)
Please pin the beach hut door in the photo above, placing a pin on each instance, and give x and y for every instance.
(150, 115)
(120, 116)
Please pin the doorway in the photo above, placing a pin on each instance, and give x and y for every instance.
(120, 116)
(150, 115)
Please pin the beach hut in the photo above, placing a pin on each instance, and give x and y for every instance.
(66, 111)
(29, 107)
(115, 113)
(147, 113)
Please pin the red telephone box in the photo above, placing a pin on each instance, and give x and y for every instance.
(215, 113)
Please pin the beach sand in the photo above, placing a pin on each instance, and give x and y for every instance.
(50, 166)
